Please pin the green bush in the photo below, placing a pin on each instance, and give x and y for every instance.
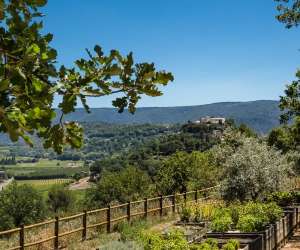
(296, 197)
(228, 247)
(231, 245)
(249, 217)
(198, 215)
(60, 199)
(221, 224)
(152, 241)
(131, 231)
(265, 213)
(20, 204)
(235, 214)
(185, 213)
(175, 240)
(248, 223)
(204, 246)
(213, 243)
(273, 212)
(282, 199)
(234, 243)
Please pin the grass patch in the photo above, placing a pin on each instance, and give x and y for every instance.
(43, 186)
(45, 168)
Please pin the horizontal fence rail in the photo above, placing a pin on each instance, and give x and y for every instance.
(55, 230)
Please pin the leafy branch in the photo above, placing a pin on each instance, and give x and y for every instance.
(29, 79)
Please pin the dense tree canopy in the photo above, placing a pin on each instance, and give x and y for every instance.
(289, 14)
(29, 79)
(127, 185)
(20, 204)
(252, 169)
(286, 137)
(184, 171)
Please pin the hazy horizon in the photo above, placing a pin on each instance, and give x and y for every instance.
(212, 103)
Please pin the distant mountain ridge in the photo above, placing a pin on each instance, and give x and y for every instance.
(261, 115)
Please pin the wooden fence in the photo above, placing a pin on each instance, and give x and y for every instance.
(79, 225)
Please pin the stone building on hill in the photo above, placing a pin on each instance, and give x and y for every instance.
(211, 120)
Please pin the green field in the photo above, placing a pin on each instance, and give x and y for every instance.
(38, 172)
(43, 186)
(45, 167)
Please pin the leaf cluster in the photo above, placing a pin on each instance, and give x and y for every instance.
(29, 79)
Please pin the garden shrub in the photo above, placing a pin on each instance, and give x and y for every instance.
(174, 240)
(249, 223)
(234, 213)
(213, 243)
(234, 243)
(249, 217)
(131, 231)
(230, 245)
(282, 199)
(273, 212)
(221, 224)
(296, 196)
(205, 246)
(185, 213)
(198, 215)
(198, 212)
(152, 241)
(60, 199)
(256, 216)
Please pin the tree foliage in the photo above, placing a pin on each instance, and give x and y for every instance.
(183, 171)
(123, 186)
(20, 204)
(286, 138)
(254, 169)
(29, 79)
(290, 103)
(289, 12)
(59, 199)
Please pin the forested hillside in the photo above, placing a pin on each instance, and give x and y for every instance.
(101, 140)
(259, 115)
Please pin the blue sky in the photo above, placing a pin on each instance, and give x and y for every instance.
(218, 50)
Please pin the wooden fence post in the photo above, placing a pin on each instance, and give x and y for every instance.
(128, 211)
(146, 207)
(174, 203)
(205, 194)
(84, 221)
(297, 218)
(22, 238)
(108, 219)
(56, 233)
(196, 196)
(161, 206)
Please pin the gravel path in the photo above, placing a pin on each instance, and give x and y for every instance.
(81, 184)
(294, 242)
